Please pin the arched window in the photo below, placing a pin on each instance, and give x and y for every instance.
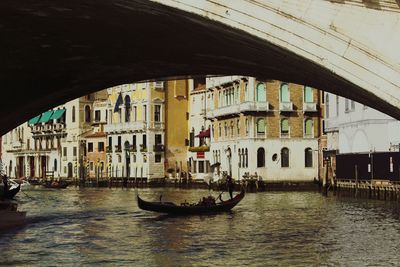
(284, 157)
(73, 113)
(55, 165)
(260, 126)
(127, 108)
(87, 114)
(308, 94)
(261, 92)
(308, 157)
(285, 128)
(260, 157)
(308, 128)
(247, 126)
(284, 93)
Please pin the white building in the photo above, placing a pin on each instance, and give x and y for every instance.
(354, 128)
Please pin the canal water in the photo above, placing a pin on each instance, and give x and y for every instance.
(105, 227)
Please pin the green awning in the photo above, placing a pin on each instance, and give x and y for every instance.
(34, 120)
(57, 114)
(46, 116)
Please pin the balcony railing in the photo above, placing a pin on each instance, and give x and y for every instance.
(109, 149)
(309, 107)
(158, 148)
(254, 106)
(118, 148)
(143, 148)
(286, 106)
(226, 111)
(59, 126)
(131, 148)
(199, 149)
(125, 127)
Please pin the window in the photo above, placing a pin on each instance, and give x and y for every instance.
(246, 158)
(65, 151)
(134, 113)
(157, 113)
(90, 147)
(144, 139)
(226, 129)
(127, 108)
(308, 94)
(110, 141)
(238, 127)
(261, 92)
(260, 126)
(91, 165)
(101, 146)
(119, 142)
(97, 115)
(134, 141)
(247, 126)
(73, 113)
(157, 158)
(144, 113)
(87, 114)
(285, 157)
(308, 157)
(201, 166)
(74, 151)
(157, 139)
(260, 157)
(285, 128)
(346, 105)
(284, 93)
(219, 129)
(55, 165)
(308, 128)
(240, 157)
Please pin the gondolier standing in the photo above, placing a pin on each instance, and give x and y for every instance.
(5, 183)
(230, 185)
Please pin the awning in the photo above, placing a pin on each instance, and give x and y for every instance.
(205, 133)
(34, 120)
(57, 114)
(46, 116)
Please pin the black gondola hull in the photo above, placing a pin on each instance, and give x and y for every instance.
(171, 208)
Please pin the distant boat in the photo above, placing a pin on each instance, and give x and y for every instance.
(56, 185)
(10, 216)
(172, 208)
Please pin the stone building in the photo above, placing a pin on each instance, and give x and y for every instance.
(268, 127)
(50, 144)
(139, 143)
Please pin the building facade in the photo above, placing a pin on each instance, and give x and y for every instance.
(50, 144)
(268, 128)
(138, 143)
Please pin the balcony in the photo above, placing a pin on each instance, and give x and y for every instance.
(310, 107)
(59, 126)
(36, 129)
(286, 106)
(131, 148)
(108, 149)
(226, 111)
(143, 148)
(48, 128)
(118, 148)
(132, 126)
(156, 125)
(199, 149)
(250, 106)
(158, 148)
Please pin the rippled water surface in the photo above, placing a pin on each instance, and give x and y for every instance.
(105, 227)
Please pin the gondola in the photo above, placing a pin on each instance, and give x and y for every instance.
(10, 193)
(57, 185)
(174, 209)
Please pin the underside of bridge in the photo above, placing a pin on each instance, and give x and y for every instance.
(53, 51)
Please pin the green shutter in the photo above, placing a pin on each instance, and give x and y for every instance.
(260, 126)
(308, 94)
(309, 127)
(285, 125)
(261, 93)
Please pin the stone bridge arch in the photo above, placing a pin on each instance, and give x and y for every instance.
(54, 51)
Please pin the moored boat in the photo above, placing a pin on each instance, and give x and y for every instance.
(56, 185)
(187, 209)
(10, 193)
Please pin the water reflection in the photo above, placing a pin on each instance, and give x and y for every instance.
(104, 226)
